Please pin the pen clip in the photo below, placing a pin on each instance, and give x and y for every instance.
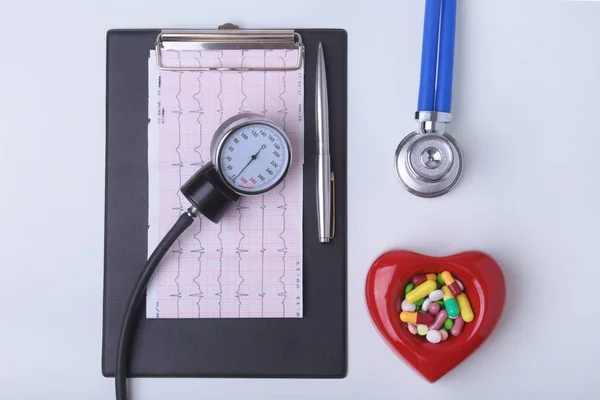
(332, 182)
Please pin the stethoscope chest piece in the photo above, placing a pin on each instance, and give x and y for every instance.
(429, 161)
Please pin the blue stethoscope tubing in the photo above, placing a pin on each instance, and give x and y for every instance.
(439, 34)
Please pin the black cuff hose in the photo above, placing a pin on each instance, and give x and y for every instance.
(137, 295)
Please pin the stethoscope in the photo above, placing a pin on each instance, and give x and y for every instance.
(250, 155)
(429, 161)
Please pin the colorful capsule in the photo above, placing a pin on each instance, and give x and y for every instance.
(451, 283)
(416, 318)
(439, 320)
(458, 326)
(450, 302)
(417, 280)
(466, 312)
(434, 308)
(420, 291)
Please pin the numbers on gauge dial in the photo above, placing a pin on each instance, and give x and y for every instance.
(254, 158)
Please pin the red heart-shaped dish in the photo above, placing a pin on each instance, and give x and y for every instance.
(484, 285)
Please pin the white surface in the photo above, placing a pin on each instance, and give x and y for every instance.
(527, 85)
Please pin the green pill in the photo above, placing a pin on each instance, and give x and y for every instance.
(441, 303)
(452, 307)
(448, 324)
(408, 288)
(440, 281)
(418, 309)
(420, 302)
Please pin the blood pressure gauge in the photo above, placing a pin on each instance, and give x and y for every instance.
(250, 156)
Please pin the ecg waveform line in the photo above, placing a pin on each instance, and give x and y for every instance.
(283, 112)
(179, 167)
(199, 111)
(240, 251)
(200, 249)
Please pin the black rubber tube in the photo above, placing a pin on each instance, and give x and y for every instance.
(137, 295)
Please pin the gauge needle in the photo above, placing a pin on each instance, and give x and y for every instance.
(250, 162)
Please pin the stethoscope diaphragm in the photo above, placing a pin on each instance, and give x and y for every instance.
(429, 162)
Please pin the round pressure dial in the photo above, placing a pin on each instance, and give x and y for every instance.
(251, 154)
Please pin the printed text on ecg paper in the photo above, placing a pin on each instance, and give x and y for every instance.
(250, 264)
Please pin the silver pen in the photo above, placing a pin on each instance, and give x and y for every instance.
(325, 178)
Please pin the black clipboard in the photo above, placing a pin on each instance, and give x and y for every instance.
(314, 346)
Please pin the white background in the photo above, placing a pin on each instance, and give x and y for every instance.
(526, 107)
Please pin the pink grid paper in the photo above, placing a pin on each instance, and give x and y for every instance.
(250, 264)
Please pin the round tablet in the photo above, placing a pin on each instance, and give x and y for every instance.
(436, 295)
(422, 330)
(412, 329)
(426, 304)
(406, 306)
(444, 334)
(434, 337)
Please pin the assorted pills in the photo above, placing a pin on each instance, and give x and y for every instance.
(435, 306)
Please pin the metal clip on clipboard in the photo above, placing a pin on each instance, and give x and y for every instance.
(228, 37)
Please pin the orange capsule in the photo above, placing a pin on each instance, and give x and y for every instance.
(417, 280)
(416, 318)
(451, 283)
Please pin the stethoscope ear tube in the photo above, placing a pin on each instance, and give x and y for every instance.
(439, 33)
(429, 55)
(443, 97)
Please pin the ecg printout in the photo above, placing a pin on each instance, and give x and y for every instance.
(250, 264)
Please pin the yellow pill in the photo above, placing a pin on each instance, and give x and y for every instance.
(447, 293)
(421, 291)
(466, 312)
(422, 330)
